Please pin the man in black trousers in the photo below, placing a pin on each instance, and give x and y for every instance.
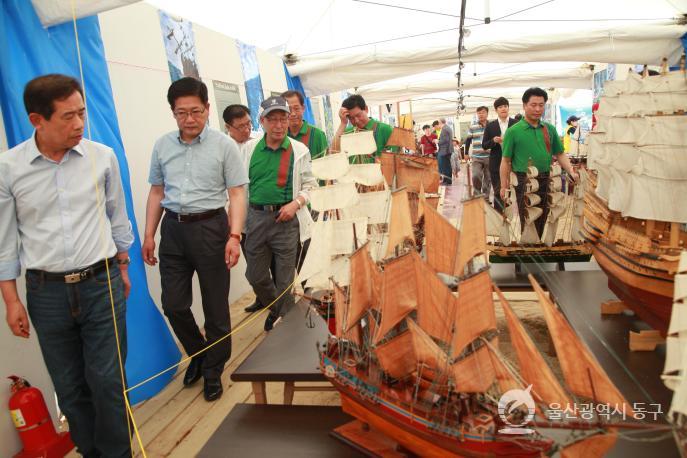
(491, 141)
(192, 170)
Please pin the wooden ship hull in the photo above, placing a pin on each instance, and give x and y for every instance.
(558, 252)
(640, 271)
(414, 430)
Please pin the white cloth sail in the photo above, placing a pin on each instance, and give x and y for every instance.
(365, 174)
(497, 225)
(330, 167)
(372, 205)
(357, 143)
(675, 369)
(333, 197)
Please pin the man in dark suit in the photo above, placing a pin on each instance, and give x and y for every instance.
(492, 140)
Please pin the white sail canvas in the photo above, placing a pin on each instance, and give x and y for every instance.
(365, 174)
(372, 205)
(330, 167)
(357, 143)
(333, 197)
(342, 241)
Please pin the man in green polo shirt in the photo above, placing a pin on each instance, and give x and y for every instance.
(535, 141)
(355, 110)
(301, 130)
(278, 193)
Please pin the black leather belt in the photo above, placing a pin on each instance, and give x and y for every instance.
(192, 217)
(74, 276)
(267, 208)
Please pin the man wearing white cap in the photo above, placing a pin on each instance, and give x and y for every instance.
(280, 179)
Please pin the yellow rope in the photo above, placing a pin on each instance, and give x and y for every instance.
(101, 225)
(241, 326)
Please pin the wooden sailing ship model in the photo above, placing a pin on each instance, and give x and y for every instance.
(561, 240)
(635, 213)
(421, 364)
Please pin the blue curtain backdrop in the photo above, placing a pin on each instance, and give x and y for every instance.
(253, 83)
(294, 84)
(28, 50)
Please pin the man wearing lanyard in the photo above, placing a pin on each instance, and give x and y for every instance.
(191, 171)
(62, 213)
(355, 110)
(533, 140)
(278, 217)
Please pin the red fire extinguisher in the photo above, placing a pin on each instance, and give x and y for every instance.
(34, 425)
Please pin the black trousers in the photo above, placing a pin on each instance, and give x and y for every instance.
(543, 179)
(494, 165)
(185, 249)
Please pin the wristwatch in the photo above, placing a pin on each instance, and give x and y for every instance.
(124, 262)
(235, 236)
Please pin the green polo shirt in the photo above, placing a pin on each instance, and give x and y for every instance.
(523, 142)
(382, 134)
(317, 143)
(262, 173)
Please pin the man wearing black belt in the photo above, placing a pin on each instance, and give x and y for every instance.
(62, 212)
(278, 216)
(191, 171)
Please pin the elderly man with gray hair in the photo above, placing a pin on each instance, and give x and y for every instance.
(278, 218)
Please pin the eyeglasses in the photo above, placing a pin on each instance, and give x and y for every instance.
(245, 126)
(284, 120)
(195, 114)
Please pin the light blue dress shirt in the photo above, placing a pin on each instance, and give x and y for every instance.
(49, 215)
(196, 175)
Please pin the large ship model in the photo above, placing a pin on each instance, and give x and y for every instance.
(635, 213)
(421, 364)
(561, 241)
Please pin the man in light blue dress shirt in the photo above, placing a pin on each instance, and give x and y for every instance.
(192, 170)
(63, 217)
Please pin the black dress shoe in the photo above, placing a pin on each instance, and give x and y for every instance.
(193, 371)
(212, 389)
(270, 321)
(254, 307)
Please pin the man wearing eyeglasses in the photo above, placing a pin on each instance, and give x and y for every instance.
(301, 130)
(238, 123)
(192, 170)
(278, 217)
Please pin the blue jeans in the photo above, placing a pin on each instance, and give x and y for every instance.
(444, 163)
(74, 326)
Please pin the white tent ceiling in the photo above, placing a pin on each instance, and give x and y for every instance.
(574, 78)
(344, 44)
(369, 45)
(52, 12)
